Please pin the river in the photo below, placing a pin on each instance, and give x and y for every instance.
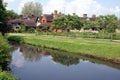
(30, 63)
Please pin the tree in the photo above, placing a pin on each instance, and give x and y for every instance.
(2, 18)
(86, 24)
(67, 22)
(32, 8)
(108, 23)
(11, 14)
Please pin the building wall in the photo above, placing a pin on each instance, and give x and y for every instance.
(44, 20)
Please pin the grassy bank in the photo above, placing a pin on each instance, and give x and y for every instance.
(100, 48)
(101, 35)
(4, 60)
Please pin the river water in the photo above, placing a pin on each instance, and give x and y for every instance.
(38, 64)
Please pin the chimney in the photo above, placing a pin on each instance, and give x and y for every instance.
(55, 13)
(84, 15)
(74, 14)
(93, 16)
(21, 17)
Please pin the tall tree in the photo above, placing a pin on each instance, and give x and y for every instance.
(2, 18)
(33, 8)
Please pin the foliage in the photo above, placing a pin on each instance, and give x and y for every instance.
(4, 59)
(86, 24)
(2, 18)
(22, 28)
(17, 39)
(32, 8)
(4, 47)
(4, 75)
(11, 14)
(31, 30)
(67, 22)
(108, 23)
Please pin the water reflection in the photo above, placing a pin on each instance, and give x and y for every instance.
(30, 54)
(31, 63)
(65, 59)
(35, 54)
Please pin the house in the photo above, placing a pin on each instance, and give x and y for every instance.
(29, 24)
(45, 20)
(15, 24)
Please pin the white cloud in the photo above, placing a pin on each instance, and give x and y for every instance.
(79, 7)
(9, 0)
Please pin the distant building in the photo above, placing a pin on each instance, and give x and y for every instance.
(45, 20)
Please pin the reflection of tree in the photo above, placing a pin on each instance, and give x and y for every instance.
(30, 53)
(65, 59)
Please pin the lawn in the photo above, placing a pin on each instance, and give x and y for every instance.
(101, 48)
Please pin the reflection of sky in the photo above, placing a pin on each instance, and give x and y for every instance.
(18, 60)
(47, 69)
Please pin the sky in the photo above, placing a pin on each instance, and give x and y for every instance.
(80, 7)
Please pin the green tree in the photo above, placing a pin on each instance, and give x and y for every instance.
(111, 23)
(2, 18)
(108, 23)
(32, 8)
(67, 22)
(86, 24)
(11, 14)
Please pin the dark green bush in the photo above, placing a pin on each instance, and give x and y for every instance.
(17, 39)
(31, 30)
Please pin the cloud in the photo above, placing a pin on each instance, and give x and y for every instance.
(78, 6)
(18, 63)
(9, 0)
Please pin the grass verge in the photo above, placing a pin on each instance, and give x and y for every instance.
(100, 48)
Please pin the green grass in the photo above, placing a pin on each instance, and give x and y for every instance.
(5, 58)
(101, 35)
(100, 48)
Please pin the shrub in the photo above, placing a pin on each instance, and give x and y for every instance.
(31, 30)
(17, 39)
(4, 47)
(4, 75)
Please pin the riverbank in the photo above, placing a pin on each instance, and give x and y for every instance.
(5, 59)
(105, 50)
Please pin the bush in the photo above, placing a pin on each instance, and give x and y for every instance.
(31, 30)
(17, 39)
(4, 75)
(4, 47)
(22, 29)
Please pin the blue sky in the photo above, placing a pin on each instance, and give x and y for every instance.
(98, 7)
